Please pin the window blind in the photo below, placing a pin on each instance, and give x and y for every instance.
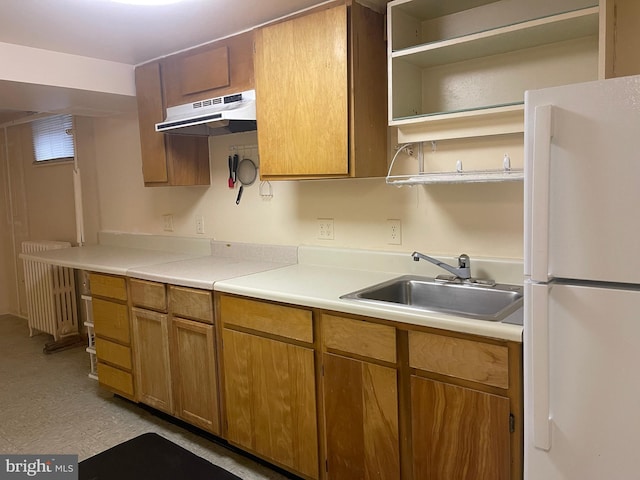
(50, 138)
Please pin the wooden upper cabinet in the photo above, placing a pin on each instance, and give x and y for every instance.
(621, 22)
(210, 71)
(166, 159)
(321, 95)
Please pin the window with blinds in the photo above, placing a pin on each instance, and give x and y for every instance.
(53, 138)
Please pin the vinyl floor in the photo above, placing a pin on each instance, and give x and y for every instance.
(49, 405)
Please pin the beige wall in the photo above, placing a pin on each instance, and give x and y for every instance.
(37, 203)
(7, 277)
(479, 219)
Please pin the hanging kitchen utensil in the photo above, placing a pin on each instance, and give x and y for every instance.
(235, 168)
(266, 190)
(231, 182)
(246, 175)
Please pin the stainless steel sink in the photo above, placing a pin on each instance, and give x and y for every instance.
(468, 299)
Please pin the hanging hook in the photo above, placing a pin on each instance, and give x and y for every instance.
(266, 190)
(506, 162)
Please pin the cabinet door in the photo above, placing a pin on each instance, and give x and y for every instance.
(458, 432)
(195, 374)
(271, 400)
(153, 373)
(623, 41)
(361, 417)
(210, 71)
(302, 95)
(150, 112)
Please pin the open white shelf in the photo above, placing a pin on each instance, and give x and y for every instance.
(460, 68)
(532, 33)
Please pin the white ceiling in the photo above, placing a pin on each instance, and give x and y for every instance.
(130, 34)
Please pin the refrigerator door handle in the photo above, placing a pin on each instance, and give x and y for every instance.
(539, 322)
(539, 227)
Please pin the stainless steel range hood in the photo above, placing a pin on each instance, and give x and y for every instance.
(215, 116)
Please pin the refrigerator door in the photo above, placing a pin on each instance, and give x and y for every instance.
(582, 181)
(592, 389)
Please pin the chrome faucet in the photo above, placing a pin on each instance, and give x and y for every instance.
(464, 265)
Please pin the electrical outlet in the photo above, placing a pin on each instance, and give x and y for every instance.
(168, 222)
(325, 228)
(199, 224)
(394, 232)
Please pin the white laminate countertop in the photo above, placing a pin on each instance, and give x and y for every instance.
(201, 272)
(318, 280)
(179, 268)
(106, 258)
(323, 275)
(321, 287)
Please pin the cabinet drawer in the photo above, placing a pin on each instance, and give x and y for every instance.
(150, 295)
(111, 320)
(280, 320)
(359, 337)
(466, 359)
(191, 303)
(116, 379)
(113, 353)
(108, 286)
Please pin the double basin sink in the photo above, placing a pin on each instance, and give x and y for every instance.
(472, 299)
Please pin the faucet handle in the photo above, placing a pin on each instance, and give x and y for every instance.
(464, 261)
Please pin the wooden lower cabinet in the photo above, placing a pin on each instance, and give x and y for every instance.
(361, 419)
(175, 357)
(395, 402)
(153, 370)
(465, 407)
(113, 334)
(271, 400)
(458, 433)
(194, 374)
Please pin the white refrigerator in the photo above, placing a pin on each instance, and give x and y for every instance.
(582, 281)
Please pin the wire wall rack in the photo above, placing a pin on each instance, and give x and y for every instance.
(460, 175)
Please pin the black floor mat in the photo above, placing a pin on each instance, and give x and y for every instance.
(150, 457)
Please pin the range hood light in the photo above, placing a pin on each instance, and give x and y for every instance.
(218, 124)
